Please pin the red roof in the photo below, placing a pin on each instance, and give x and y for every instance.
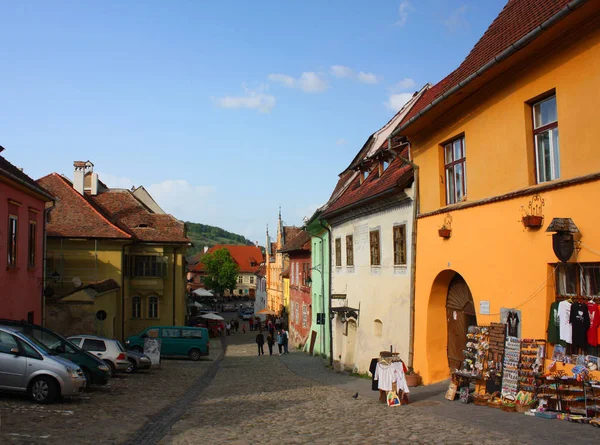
(289, 232)
(146, 225)
(517, 19)
(396, 175)
(16, 174)
(243, 255)
(300, 242)
(72, 214)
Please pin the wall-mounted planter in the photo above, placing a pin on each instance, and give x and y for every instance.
(445, 233)
(533, 221)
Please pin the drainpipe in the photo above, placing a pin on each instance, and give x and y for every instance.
(44, 260)
(174, 269)
(413, 255)
(329, 320)
(123, 288)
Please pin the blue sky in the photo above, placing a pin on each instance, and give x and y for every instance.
(224, 110)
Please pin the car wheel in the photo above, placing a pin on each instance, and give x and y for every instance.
(43, 389)
(194, 354)
(137, 349)
(132, 366)
(88, 378)
(110, 366)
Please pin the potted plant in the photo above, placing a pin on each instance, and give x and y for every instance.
(412, 378)
(532, 221)
(444, 232)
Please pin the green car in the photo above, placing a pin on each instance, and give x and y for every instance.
(95, 370)
(176, 341)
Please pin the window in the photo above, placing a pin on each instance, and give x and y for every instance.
(7, 342)
(400, 245)
(147, 266)
(590, 280)
(151, 333)
(349, 250)
(297, 274)
(566, 279)
(32, 244)
(377, 328)
(545, 133)
(171, 333)
(304, 316)
(91, 344)
(240, 292)
(456, 172)
(338, 252)
(374, 241)
(136, 307)
(191, 333)
(305, 273)
(251, 280)
(153, 307)
(12, 240)
(240, 279)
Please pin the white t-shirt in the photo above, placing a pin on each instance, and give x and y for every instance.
(564, 315)
(384, 374)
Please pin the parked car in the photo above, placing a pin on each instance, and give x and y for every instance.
(137, 361)
(96, 372)
(247, 313)
(27, 365)
(176, 341)
(229, 307)
(108, 350)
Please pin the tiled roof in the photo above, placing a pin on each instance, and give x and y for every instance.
(72, 214)
(397, 175)
(124, 207)
(290, 232)
(517, 19)
(300, 242)
(244, 256)
(100, 287)
(15, 174)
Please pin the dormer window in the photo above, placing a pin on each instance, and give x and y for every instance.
(383, 165)
(142, 226)
(363, 175)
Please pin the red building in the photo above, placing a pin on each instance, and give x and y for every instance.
(300, 310)
(22, 227)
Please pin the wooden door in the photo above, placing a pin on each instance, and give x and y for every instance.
(460, 314)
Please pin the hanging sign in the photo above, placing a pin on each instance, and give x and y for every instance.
(484, 307)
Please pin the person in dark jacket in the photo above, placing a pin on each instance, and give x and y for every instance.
(270, 343)
(260, 341)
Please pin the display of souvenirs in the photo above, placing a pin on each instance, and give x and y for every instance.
(510, 374)
(531, 365)
(475, 352)
(495, 355)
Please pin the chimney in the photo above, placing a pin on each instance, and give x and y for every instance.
(81, 168)
(205, 249)
(94, 184)
(256, 243)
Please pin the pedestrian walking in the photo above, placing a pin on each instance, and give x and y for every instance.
(260, 341)
(251, 323)
(284, 334)
(270, 343)
(236, 324)
(279, 342)
(228, 328)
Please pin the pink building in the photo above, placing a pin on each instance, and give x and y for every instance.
(22, 227)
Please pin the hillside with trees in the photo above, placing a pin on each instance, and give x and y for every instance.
(203, 235)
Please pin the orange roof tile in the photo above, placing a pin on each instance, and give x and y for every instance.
(243, 255)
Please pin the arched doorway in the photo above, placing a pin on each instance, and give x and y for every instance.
(350, 344)
(460, 314)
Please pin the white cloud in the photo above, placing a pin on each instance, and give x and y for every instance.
(341, 72)
(396, 101)
(256, 99)
(404, 84)
(457, 20)
(309, 82)
(341, 141)
(403, 10)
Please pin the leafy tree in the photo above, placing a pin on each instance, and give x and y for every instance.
(222, 271)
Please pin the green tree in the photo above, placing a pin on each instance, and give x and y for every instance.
(222, 271)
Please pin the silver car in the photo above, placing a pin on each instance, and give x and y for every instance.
(27, 365)
(108, 350)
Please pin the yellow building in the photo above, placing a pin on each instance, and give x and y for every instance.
(114, 264)
(275, 263)
(510, 133)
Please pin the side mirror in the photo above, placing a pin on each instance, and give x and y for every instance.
(14, 351)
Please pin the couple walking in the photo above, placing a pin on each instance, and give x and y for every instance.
(282, 342)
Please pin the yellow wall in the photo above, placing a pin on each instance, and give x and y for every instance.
(286, 295)
(501, 261)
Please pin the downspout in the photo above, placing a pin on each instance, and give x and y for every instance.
(44, 261)
(123, 288)
(329, 320)
(174, 269)
(413, 253)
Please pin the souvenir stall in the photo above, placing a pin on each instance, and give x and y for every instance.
(389, 378)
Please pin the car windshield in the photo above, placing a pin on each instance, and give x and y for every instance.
(120, 346)
(39, 344)
(49, 339)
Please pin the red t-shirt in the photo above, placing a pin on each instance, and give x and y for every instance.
(592, 334)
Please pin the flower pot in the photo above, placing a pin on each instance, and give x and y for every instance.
(444, 233)
(413, 380)
(532, 221)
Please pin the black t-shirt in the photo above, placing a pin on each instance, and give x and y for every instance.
(580, 322)
(260, 339)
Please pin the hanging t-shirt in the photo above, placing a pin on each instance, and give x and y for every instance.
(512, 324)
(592, 333)
(553, 324)
(384, 374)
(564, 315)
(580, 321)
